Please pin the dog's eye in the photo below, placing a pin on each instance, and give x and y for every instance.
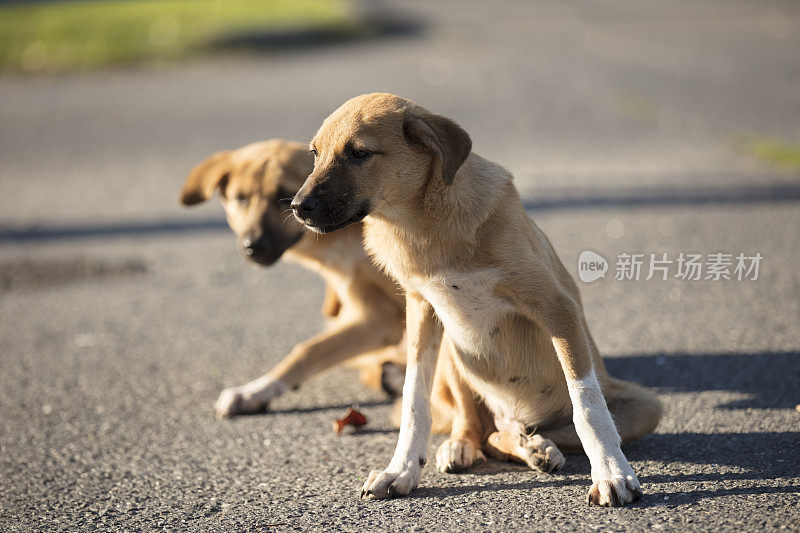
(242, 200)
(313, 152)
(356, 153)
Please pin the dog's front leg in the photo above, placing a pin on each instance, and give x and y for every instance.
(613, 481)
(343, 341)
(550, 304)
(424, 333)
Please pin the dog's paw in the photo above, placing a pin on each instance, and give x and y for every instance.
(455, 455)
(542, 454)
(235, 401)
(248, 399)
(382, 484)
(615, 492)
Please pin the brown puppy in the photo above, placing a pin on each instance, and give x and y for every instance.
(450, 227)
(256, 184)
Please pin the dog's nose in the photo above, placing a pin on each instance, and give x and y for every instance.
(303, 207)
(247, 246)
(254, 247)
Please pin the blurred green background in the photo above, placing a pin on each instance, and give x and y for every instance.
(69, 36)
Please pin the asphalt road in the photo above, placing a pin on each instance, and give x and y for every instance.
(122, 316)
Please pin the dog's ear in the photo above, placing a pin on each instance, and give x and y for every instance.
(448, 142)
(205, 178)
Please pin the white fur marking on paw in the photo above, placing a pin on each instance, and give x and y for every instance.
(250, 398)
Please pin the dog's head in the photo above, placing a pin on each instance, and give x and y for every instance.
(374, 155)
(256, 185)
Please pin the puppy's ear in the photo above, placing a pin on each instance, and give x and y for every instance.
(448, 141)
(204, 179)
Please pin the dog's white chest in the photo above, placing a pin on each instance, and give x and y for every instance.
(467, 305)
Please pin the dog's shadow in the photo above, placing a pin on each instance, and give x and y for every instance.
(323, 408)
(770, 379)
(758, 457)
(767, 380)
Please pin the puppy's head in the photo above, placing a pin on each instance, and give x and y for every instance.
(375, 155)
(256, 185)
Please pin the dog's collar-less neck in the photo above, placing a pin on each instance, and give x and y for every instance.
(448, 234)
(457, 210)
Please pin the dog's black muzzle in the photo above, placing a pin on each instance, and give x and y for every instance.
(322, 215)
(265, 250)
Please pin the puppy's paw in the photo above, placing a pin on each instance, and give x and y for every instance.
(455, 455)
(542, 454)
(248, 399)
(382, 484)
(615, 492)
(235, 401)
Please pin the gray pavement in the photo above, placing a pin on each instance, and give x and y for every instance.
(122, 316)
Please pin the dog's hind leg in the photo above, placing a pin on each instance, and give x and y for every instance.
(463, 448)
(635, 410)
(533, 450)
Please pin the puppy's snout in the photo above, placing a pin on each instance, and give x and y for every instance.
(322, 206)
(261, 249)
(249, 247)
(257, 247)
(304, 207)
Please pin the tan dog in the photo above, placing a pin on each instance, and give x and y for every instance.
(256, 184)
(450, 227)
